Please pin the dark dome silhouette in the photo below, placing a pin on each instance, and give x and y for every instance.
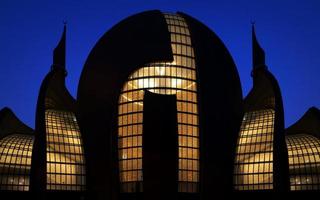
(162, 54)
(159, 114)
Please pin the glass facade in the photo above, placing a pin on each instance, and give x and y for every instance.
(15, 162)
(65, 158)
(179, 78)
(304, 162)
(254, 156)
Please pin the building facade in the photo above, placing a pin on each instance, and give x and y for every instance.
(58, 161)
(159, 113)
(261, 162)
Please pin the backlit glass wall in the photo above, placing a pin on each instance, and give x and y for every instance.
(179, 78)
(254, 157)
(304, 162)
(15, 162)
(65, 158)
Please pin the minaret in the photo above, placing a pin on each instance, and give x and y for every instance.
(258, 55)
(59, 53)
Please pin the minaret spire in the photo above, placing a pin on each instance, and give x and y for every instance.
(258, 55)
(59, 53)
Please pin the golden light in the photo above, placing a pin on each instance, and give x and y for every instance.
(161, 80)
(167, 78)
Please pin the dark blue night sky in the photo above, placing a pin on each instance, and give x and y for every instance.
(288, 30)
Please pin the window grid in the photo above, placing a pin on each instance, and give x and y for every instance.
(179, 78)
(65, 158)
(304, 162)
(15, 162)
(254, 157)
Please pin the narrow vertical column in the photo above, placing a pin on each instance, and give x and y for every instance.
(160, 146)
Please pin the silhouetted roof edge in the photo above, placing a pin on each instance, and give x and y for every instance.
(309, 123)
(11, 124)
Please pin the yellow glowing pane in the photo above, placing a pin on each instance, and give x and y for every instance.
(254, 158)
(304, 162)
(65, 159)
(15, 162)
(177, 77)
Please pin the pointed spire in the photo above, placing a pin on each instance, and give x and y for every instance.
(258, 55)
(59, 53)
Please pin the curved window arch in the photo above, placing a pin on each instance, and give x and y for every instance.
(254, 156)
(179, 78)
(304, 162)
(65, 158)
(15, 162)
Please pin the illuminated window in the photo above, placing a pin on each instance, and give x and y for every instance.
(179, 78)
(304, 162)
(15, 162)
(65, 158)
(254, 156)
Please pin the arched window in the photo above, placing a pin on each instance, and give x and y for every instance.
(304, 162)
(179, 78)
(15, 162)
(65, 157)
(254, 156)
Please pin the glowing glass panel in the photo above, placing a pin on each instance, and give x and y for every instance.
(304, 162)
(15, 162)
(254, 156)
(179, 78)
(65, 157)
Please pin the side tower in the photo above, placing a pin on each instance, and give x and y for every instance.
(58, 164)
(159, 100)
(261, 160)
